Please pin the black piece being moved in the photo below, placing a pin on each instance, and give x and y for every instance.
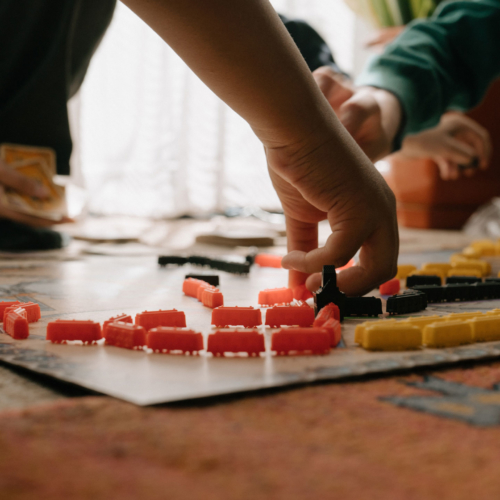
(453, 280)
(329, 292)
(363, 306)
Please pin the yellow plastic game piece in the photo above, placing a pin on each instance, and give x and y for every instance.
(485, 329)
(462, 316)
(443, 267)
(360, 329)
(460, 257)
(447, 334)
(404, 271)
(481, 265)
(493, 312)
(386, 336)
(483, 247)
(422, 321)
(465, 271)
(471, 253)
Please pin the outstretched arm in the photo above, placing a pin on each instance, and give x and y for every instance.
(244, 54)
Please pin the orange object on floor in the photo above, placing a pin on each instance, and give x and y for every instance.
(32, 311)
(5, 304)
(16, 324)
(268, 260)
(212, 297)
(273, 296)
(61, 331)
(153, 319)
(391, 287)
(124, 318)
(126, 335)
(236, 341)
(334, 328)
(190, 286)
(248, 317)
(163, 339)
(290, 341)
(302, 315)
(201, 289)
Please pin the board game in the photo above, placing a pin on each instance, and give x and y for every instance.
(98, 288)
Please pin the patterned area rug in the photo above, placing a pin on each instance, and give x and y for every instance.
(414, 437)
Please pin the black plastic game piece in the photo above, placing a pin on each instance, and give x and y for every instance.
(199, 260)
(459, 292)
(329, 292)
(433, 293)
(492, 280)
(363, 306)
(407, 302)
(211, 279)
(165, 260)
(487, 291)
(453, 280)
(417, 279)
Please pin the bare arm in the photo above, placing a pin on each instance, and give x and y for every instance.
(241, 50)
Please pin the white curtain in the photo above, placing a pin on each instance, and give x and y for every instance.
(152, 140)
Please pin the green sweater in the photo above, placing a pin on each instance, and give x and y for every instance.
(445, 62)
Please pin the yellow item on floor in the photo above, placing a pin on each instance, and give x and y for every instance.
(461, 257)
(387, 336)
(465, 272)
(360, 329)
(462, 316)
(447, 334)
(443, 267)
(483, 247)
(423, 321)
(485, 329)
(481, 265)
(404, 270)
(493, 312)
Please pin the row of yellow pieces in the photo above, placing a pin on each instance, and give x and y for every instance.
(432, 331)
(458, 266)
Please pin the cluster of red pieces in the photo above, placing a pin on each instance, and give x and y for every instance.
(165, 331)
(17, 316)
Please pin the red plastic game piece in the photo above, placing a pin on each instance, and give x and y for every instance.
(16, 324)
(191, 285)
(164, 339)
(329, 311)
(301, 341)
(234, 316)
(212, 297)
(125, 335)
(268, 260)
(32, 311)
(201, 288)
(273, 296)
(124, 318)
(5, 304)
(153, 319)
(290, 315)
(61, 330)
(249, 341)
(391, 287)
(334, 329)
(300, 292)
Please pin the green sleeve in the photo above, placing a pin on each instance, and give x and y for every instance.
(445, 62)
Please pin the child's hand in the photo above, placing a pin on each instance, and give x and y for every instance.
(316, 181)
(458, 145)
